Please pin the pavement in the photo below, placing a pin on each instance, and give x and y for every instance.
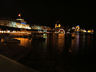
(9, 65)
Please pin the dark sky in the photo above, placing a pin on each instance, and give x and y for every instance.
(44, 12)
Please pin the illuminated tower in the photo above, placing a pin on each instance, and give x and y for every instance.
(57, 25)
(21, 23)
(77, 28)
(19, 19)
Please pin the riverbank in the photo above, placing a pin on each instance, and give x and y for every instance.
(8, 65)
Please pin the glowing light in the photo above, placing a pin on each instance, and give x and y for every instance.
(62, 31)
(8, 31)
(57, 26)
(84, 31)
(77, 28)
(89, 31)
(19, 15)
(44, 35)
(19, 19)
(23, 23)
(73, 27)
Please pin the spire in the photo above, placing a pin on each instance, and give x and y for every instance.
(19, 17)
(19, 12)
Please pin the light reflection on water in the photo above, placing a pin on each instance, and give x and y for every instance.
(2, 40)
(75, 43)
(58, 41)
(24, 41)
(54, 53)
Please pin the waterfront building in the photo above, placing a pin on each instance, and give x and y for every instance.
(57, 25)
(77, 28)
(18, 23)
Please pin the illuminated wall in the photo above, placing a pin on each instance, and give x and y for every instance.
(21, 24)
(36, 27)
(12, 24)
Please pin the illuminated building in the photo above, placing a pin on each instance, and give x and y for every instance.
(57, 25)
(18, 23)
(77, 28)
(21, 23)
(41, 28)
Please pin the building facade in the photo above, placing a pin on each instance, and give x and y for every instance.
(19, 23)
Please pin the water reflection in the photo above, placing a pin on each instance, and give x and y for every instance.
(1, 40)
(24, 41)
(75, 44)
(11, 49)
(56, 53)
(60, 42)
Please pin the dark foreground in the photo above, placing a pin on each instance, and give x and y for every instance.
(55, 54)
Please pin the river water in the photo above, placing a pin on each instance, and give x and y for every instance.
(55, 54)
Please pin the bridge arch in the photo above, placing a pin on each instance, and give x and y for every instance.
(61, 31)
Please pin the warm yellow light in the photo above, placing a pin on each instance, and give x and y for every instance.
(19, 19)
(89, 31)
(77, 28)
(56, 26)
(19, 14)
(84, 31)
(59, 25)
(8, 31)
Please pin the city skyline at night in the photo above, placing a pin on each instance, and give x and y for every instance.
(42, 13)
(47, 36)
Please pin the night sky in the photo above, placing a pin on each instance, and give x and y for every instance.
(44, 12)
